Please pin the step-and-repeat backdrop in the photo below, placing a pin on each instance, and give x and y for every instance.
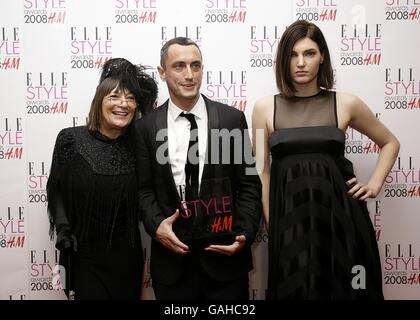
(51, 52)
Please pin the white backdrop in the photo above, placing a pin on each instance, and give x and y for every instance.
(50, 56)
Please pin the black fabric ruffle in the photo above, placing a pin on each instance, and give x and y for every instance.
(317, 233)
(92, 187)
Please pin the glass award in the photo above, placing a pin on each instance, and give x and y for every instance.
(208, 219)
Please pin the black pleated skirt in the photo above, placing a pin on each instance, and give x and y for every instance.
(321, 242)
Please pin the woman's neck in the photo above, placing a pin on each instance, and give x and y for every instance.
(306, 90)
(112, 134)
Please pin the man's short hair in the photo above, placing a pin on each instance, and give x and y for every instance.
(182, 41)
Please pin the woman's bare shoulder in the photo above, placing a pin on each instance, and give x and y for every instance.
(347, 99)
(264, 103)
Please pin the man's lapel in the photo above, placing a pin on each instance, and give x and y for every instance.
(212, 124)
(162, 124)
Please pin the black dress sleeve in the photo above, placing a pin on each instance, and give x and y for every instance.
(56, 186)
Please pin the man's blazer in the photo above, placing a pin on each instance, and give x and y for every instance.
(159, 199)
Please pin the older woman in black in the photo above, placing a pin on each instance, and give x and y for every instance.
(92, 189)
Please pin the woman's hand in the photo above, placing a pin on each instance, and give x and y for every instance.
(360, 191)
(66, 241)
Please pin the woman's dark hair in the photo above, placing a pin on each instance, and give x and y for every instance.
(104, 88)
(298, 30)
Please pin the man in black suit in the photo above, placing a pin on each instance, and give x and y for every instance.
(186, 151)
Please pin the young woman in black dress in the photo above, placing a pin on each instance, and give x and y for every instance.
(320, 233)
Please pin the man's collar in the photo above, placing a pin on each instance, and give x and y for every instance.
(198, 110)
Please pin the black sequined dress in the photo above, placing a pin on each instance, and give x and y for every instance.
(92, 193)
(320, 239)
